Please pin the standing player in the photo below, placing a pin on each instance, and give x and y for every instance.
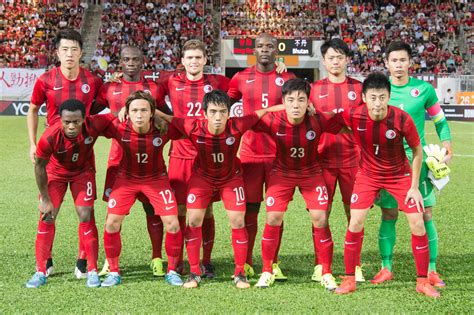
(339, 153)
(113, 96)
(216, 170)
(297, 164)
(68, 81)
(415, 97)
(380, 130)
(142, 171)
(65, 156)
(186, 91)
(258, 87)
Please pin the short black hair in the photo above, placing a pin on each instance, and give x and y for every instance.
(376, 80)
(397, 45)
(338, 45)
(217, 97)
(69, 34)
(71, 105)
(296, 84)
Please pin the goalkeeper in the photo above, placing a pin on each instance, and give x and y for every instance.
(415, 97)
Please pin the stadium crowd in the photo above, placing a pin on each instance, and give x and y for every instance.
(27, 31)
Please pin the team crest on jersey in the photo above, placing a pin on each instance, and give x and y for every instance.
(354, 198)
(279, 81)
(390, 134)
(415, 92)
(207, 88)
(310, 135)
(108, 191)
(230, 141)
(270, 201)
(157, 141)
(85, 88)
(352, 95)
(112, 203)
(191, 198)
(89, 140)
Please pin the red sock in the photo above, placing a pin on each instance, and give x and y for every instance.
(325, 247)
(82, 251)
(182, 227)
(155, 231)
(270, 238)
(360, 248)
(193, 239)
(173, 247)
(208, 235)
(44, 243)
(421, 253)
(251, 224)
(351, 250)
(240, 241)
(90, 243)
(112, 247)
(277, 250)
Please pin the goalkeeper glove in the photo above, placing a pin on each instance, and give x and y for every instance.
(433, 161)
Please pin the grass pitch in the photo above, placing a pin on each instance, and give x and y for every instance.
(142, 293)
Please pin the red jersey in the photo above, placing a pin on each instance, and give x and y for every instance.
(381, 142)
(257, 90)
(142, 153)
(337, 151)
(297, 145)
(113, 95)
(217, 154)
(72, 157)
(53, 88)
(186, 102)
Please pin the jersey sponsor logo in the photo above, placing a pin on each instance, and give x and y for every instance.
(62, 151)
(179, 89)
(241, 242)
(56, 88)
(88, 198)
(280, 134)
(89, 140)
(310, 135)
(157, 141)
(169, 207)
(191, 198)
(270, 201)
(390, 134)
(323, 96)
(267, 239)
(421, 247)
(85, 88)
(230, 141)
(43, 232)
(279, 81)
(117, 93)
(250, 81)
(415, 92)
(112, 203)
(88, 232)
(207, 88)
(354, 198)
(239, 203)
(411, 204)
(108, 191)
(190, 239)
(326, 240)
(200, 141)
(126, 140)
(361, 129)
(350, 243)
(352, 95)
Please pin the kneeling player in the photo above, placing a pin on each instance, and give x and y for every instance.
(297, 164)
(216, 169)
(65, 156)
(142, 171)
(380, 130)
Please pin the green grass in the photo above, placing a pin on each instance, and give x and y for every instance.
(141, 293)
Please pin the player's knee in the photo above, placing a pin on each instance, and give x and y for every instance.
(428, 214)
(389, 214)
(252, 207)
(417, 227)
(84, 214)
(356, 224)
(172, 226)
(112, 225)
(274, 220)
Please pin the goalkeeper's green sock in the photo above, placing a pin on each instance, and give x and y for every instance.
(433, 243)
(387, 236)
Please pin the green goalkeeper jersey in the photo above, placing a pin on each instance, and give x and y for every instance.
(415, 98)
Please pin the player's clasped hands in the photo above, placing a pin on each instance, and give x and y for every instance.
(46, 208)
(415, 195)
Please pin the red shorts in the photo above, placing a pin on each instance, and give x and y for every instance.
(366, 190)
(256, 174)
(202, 191)
(345, 177)
(281, 189)
(179, 173)
(158, 191)
(83, 190)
